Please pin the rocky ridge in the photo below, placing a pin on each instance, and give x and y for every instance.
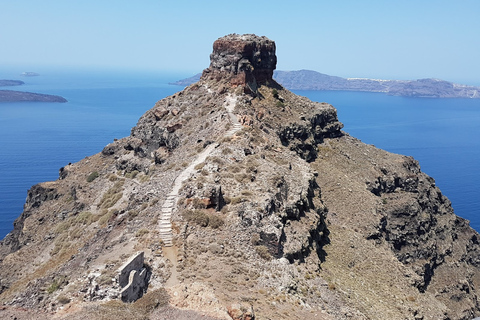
(248, 202)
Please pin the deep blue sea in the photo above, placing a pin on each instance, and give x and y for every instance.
(36, 139)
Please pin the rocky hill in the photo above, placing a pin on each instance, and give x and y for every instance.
(237, 199)
(312, 80)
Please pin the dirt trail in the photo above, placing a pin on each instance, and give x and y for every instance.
(169, 206)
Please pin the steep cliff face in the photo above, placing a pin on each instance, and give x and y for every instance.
(245, 201)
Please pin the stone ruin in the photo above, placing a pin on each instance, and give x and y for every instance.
(133, 278)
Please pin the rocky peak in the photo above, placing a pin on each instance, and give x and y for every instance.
(243, 60)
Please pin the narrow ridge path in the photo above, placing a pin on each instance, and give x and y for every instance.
(170, 204)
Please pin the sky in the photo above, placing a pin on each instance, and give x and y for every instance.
(366, 39)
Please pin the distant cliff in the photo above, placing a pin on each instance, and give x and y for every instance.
(312, 80)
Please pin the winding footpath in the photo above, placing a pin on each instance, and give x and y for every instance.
(170, 204)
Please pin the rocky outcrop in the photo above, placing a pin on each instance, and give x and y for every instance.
(246, 60)
(241, 312)
(303, 137)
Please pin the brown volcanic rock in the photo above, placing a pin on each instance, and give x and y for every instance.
(246, 60)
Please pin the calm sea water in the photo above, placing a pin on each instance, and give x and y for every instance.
(38, 138)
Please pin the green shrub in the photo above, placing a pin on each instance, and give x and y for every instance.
(92, 176)
(275, 93)
(56, 284)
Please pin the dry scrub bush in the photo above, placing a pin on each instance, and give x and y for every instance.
(263, 252)
(112, 195)
(201, 218)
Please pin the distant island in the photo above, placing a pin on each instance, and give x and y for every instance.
(312, 80)
(29, 74)
(8, 83)
(13, 96)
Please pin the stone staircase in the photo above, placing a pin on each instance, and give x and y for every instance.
(165, 223)
(237, 126)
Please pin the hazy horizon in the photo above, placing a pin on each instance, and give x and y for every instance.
(385, 40)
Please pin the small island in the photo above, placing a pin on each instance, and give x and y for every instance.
(21, 96)
(29, 74)
(9, 83)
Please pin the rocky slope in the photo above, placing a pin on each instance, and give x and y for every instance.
(245, 201)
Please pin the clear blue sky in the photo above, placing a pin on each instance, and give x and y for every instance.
(376, 39)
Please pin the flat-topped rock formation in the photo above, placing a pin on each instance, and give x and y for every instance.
(246, 60)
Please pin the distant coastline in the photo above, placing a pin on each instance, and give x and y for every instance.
(21, 96)
(312, 80)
